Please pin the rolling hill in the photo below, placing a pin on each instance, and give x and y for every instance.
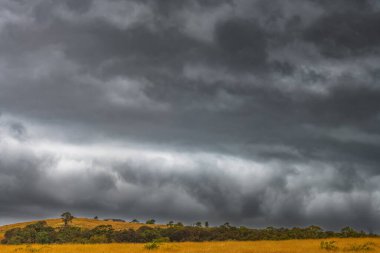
(79, 222)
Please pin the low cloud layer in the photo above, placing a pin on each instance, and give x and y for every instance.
(243, 111)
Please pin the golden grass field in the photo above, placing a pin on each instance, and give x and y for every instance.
(289, 246)
(78, 222)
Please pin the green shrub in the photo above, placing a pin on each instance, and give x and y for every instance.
(152, 245)
(329, 245)
(155, 244)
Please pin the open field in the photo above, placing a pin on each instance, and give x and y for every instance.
(289, 246)
(78, 222)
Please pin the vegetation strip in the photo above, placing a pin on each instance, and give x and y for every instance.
(41, 233)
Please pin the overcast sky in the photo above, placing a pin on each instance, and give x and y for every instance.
(260, 113)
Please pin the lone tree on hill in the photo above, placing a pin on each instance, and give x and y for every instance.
(67, 218)
(151, 221)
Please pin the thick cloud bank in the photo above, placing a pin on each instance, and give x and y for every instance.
(262, 113)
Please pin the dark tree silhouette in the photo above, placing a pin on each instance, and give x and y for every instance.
(151, 221)
(67, 218)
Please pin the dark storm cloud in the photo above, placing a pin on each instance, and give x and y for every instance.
(344, 6)
(78, 6)
(243, 43)
(344, 34)
(138, 187)
(256, 112)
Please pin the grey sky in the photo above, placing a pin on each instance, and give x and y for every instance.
(249, 111)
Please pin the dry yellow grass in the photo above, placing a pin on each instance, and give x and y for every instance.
(78, 222)
(290, 246)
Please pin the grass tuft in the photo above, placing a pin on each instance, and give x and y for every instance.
(361, 247)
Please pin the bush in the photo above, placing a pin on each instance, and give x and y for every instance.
(152, 245)
(330, 245)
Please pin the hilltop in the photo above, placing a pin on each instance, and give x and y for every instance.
(79, 222)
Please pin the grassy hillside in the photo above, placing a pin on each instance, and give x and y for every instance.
(78, 222)
(289, 246)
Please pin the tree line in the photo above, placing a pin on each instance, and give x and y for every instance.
(41, 233)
